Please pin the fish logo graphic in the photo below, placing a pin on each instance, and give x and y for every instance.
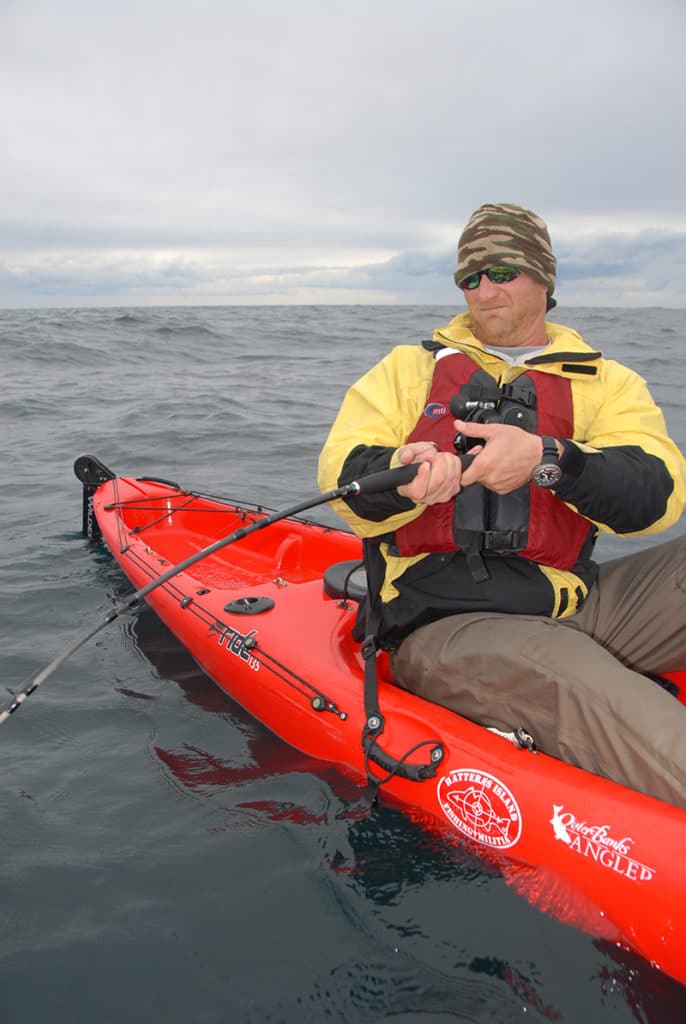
(559, 827)
(481, 807)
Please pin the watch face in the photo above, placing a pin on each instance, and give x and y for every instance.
(547, 475)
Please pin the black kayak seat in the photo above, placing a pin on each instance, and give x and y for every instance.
(346, 581)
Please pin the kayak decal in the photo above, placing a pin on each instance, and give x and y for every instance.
(481, 807)
(238, 644)
(597, 843)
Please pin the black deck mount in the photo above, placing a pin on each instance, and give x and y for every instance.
(92, 473)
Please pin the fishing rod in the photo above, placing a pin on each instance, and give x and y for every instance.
(373, 483)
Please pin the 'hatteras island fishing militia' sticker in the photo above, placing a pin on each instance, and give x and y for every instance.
(481, 807)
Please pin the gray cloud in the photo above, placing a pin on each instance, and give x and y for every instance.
(301, 152)
(645, 268)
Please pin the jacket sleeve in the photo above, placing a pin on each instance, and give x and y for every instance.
(376, 416)
(626, 474)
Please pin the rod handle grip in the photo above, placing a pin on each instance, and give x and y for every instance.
(387, 479)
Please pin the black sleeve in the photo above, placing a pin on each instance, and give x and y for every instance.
(623, 488)
(359, 462)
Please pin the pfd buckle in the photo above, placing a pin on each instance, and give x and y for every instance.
(368, 647)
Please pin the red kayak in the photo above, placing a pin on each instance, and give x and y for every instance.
(269, 618)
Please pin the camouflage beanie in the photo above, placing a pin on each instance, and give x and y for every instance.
(503, 234)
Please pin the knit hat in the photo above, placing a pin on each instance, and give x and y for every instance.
(503, 234)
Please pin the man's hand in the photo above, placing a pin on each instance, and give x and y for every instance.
(507, 459)
(438, 477)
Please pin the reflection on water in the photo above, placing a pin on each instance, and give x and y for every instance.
(379, 857)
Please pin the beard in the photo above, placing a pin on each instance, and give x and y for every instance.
(507, 326)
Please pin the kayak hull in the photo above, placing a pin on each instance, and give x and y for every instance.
(258, 618)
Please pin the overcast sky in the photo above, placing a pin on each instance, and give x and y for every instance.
(289, 151)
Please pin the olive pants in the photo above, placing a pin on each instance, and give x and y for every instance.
(575, 684)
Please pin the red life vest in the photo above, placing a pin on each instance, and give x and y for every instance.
(530, 522)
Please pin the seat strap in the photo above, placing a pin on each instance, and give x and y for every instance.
(374, 724)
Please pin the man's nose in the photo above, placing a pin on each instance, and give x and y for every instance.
(487, 288)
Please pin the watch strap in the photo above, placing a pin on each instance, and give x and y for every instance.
(550, 452)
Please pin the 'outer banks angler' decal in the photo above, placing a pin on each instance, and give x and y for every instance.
(236, 643)
(599, 844)
(481, 807)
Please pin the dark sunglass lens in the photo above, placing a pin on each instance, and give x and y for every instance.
(502, 275)
(468, 283)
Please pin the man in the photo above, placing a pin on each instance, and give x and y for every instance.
(528, 444)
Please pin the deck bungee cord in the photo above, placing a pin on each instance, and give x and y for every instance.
(318, 699)
(92, 473)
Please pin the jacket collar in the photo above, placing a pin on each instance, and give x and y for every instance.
(565, 343)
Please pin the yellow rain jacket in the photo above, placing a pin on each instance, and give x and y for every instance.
(620, 470)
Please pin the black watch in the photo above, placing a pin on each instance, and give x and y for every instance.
(547, 473)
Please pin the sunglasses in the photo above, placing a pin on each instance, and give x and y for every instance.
(498, 275)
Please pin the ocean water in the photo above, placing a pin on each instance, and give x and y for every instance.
(163, 856)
